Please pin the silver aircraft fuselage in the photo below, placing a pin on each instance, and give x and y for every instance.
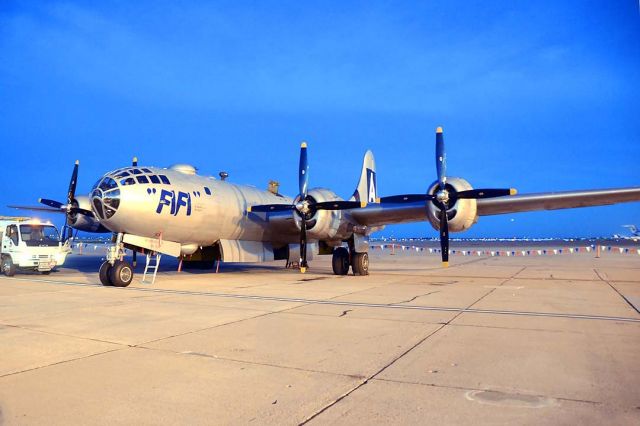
(175, 204)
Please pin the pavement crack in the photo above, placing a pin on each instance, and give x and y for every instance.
(415, 297)
(344, 313)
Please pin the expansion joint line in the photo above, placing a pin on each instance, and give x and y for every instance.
(393, 361)
(616, 290)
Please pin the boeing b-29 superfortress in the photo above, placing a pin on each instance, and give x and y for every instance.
(201, 219)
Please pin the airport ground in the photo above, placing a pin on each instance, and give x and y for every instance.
(490, 340)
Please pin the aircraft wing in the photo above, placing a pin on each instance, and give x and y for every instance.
(557, 200)
(385, 214)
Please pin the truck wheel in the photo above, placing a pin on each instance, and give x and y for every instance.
(104, 274)
(8, 267)
(121, 274)
(45, 272)
(360, 263)
(340, 261)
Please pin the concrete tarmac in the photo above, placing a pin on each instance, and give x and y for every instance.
(499, 340)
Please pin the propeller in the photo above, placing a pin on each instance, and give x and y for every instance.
(445, 196)
(305, 206)
(70, 209)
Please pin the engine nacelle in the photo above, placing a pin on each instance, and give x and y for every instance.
(462, 215)
(324, 224)
(83, 222)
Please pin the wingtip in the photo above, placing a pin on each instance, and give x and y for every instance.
(378, 200)
(249, 209)
(513, 191)
(39, 200)
(439, 129)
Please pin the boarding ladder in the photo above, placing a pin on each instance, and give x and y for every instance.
(152, 265)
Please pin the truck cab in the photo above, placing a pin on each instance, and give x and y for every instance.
(29, 244)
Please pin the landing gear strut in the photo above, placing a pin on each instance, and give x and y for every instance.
(116, 271)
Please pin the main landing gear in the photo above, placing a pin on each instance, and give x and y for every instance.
(116, 271)
(342, 259)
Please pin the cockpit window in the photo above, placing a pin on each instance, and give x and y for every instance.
(112, 200)
(136, 171)
(121, 175)
(108, 184)
(165, 180)
(142, 179)
(127, 181)
(154, 179)
(147, 171)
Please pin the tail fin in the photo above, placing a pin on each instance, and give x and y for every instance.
(367, 189)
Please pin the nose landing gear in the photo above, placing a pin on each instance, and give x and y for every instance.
(116, 271)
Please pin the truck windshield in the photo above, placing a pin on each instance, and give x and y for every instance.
(39, 235)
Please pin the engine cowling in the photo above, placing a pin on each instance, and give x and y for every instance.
(323, 224)
(83, 222)
(462, 215)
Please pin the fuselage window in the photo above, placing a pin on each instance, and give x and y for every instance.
(154, 179)
(165, 180)
(127, 181)
(142, 179)
(147, 171)
(207, 190)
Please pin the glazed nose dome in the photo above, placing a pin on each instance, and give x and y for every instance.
(105, 197)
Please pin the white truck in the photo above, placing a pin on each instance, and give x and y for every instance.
(29, 244)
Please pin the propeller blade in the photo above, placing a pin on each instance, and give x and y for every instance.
(444, 237)
(37, 209)
(339, 205)
(51, 203)
(406, 198)
(441, 158)
(303, 246)
(266, 208)
(486, 193)
(71, 194)
(303, 176)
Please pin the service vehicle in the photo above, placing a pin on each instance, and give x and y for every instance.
(30, 244)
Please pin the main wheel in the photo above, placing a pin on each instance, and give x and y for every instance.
(8, 267)
(340, 261)
(360, 263)
(105, 268)
(121, 273)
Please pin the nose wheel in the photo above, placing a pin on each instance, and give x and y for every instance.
(116, 271)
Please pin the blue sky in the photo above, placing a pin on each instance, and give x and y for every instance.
(540, 96)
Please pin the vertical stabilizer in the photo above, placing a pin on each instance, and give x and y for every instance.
(367, 189)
